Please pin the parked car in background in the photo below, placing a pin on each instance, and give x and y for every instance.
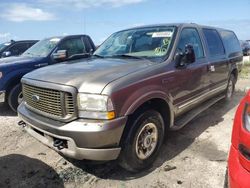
(139, 84)
(15, 48)
(245, 45)
(239, 155)
(48, 51)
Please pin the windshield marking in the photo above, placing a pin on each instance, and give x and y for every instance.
(162, 34)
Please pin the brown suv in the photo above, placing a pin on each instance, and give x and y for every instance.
(139, 84)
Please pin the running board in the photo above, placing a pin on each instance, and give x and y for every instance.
(188, 116)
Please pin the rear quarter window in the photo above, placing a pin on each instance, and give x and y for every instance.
(214, 42)
(230, 41)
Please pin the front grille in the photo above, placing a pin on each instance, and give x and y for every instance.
(49, 102)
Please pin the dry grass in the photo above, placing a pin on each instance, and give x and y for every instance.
(245, 72)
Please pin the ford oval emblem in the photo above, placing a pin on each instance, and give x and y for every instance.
(35, 98)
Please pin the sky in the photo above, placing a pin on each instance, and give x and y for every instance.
(38, 19)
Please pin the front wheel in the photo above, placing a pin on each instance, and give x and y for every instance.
(143, 142)
(15, 97)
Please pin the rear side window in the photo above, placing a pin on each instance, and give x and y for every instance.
(18, 48)
(214, 43)
(31, 44)
(231, 42)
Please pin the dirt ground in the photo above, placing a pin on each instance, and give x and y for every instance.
(195, 156)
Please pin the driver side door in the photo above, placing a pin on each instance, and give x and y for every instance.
(73, 46)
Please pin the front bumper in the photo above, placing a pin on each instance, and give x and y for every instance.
(2, 96)
(238, 177)
(85, 139)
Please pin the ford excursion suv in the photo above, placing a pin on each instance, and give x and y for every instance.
(139, 84)
(46, 52)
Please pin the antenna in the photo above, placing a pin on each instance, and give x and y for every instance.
(84, 24)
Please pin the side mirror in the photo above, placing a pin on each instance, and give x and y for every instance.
(184, 58)
(60, 55)
(91, 51)
(6, 54)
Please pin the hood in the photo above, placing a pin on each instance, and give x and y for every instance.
(18, 60)
(89, 75)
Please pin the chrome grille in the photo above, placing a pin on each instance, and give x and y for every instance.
(53, 103)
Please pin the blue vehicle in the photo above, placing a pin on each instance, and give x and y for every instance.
(15, 48)
(45, 52)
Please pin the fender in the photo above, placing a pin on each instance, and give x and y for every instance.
(148, 96)
(233, 65)
(14, 77)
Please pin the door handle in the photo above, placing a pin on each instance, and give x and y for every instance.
(41, 65)
(211, 68)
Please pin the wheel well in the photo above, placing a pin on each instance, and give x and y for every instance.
(235, 73)
(157, 104)
(12, 84)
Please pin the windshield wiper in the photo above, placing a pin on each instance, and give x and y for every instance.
(124, 56)
(28, 53)
(98, 56)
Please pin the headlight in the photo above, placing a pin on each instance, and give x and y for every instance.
(95, 106)
(247, 117)
(1, 75)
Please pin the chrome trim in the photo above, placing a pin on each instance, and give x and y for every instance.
(71, 114)
(2, 96)
(203, 96)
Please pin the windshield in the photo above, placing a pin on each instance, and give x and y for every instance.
(3, 45)
(151, 42)
(42, 48)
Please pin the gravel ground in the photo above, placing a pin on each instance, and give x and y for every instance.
(195, 156)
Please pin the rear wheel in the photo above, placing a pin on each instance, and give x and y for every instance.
(230, 88)
(15, 97)
(143, 142)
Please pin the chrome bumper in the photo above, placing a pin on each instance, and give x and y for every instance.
(2, 96)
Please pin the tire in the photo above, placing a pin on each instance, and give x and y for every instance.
(15, 97)
(230, 88)
(148, 130)
(226, 179)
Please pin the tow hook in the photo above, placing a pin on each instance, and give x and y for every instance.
(21, 124)
(58, 144)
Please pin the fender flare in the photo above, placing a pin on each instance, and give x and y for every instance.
(149, 96)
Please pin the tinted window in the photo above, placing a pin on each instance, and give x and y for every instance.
(18, 48)
(191, 36)
(230, 41)
(31, 44)
(215, 46)
(73, 46)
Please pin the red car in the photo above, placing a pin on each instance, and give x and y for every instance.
(239, 156)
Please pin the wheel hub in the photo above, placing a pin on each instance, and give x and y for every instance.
(230, 89)
(20, 98)
(146, 141)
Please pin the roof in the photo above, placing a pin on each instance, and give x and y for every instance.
(67, 36)
(177, 25)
